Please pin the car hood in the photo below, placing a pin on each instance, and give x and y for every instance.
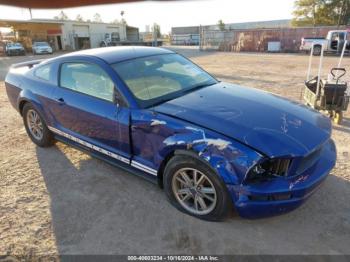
(268, 123)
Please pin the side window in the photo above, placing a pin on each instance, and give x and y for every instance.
(43, 72)
(87, 78)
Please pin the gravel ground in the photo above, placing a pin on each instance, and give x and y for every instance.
(61, 201)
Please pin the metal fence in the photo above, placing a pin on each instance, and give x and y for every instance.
(257, 40)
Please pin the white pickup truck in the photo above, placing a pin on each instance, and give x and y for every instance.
(334, 42)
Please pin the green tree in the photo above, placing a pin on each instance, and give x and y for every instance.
(321, 12)
(221, 25)
(61, 16)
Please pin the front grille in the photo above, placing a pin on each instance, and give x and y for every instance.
(308, 161)
(276, 167)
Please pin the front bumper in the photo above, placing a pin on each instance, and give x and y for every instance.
(43, 51)
(16, 52)
(282, 195)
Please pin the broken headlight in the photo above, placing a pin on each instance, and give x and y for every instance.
(268, 169)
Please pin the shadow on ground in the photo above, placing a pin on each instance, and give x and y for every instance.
(99, 209)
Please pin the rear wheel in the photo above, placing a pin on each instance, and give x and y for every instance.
(194, 188)
(317, 50)
(36, 127)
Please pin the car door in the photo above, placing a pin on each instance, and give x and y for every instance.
(86, 111)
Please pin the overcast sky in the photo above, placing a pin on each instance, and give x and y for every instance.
(170, 14)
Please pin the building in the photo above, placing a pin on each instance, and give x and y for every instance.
(68, 34)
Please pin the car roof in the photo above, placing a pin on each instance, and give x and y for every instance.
(115, 54)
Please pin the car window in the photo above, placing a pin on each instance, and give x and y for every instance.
(157, 78)
(87, 78)
(43, 72)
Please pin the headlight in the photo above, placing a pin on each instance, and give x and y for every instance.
(268, 169)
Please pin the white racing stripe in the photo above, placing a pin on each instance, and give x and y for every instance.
(144, 168)
(105, 152)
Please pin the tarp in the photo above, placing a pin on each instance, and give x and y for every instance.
(54, 4)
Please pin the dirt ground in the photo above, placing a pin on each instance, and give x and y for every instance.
(61, 201)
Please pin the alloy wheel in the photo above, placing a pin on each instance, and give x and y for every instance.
(194, 191)
(35, 124)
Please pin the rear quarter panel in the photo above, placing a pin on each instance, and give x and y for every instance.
(22, 86)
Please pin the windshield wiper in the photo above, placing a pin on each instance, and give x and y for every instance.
(189, 90)
(196, 87)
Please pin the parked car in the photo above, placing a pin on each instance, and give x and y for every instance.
(14, 49)
(333, 43)
(111, 39)
(211, 145)
(41, 48)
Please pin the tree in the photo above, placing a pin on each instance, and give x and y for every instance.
(321, 12)
(156, 29)
(79, 18)
(221, 25)
(342, 11)
(61, 16)
(115, 21)
(97, 18)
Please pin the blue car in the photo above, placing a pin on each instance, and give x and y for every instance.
(212, 146)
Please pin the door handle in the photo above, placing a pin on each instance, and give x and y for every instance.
(60, 100)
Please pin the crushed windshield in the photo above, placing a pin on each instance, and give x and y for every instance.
(159, 78)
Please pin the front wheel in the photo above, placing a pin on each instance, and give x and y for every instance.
(194, 188)
(36, 127)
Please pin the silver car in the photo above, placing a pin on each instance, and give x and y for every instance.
(41, 48)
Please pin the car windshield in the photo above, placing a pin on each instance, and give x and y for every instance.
(14, 44)
(159, 78)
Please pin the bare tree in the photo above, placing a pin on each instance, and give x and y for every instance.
(115, 21)
(156, 29)
(79, 18)
(61, 16)
(97, 18)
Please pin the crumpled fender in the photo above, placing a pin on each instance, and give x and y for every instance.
(165, 135)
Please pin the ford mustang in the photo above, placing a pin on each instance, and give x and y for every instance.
(212, 146)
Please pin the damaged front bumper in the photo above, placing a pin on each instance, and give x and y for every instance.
(283, 194)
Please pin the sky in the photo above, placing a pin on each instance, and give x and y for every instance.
(172, 13)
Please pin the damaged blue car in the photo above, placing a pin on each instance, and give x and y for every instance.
(212, 146)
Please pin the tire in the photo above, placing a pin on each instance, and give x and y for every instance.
(217, 210)
(46, 139)
(338, 117)
(317, 50)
